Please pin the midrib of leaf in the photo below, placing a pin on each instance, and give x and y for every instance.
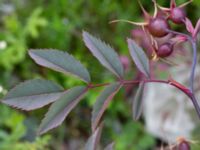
(59, 68)
(24, 96)
(53, 64)
(53, 87)
(77, 98)
(106, 102)
(138, 103)
(72, 103)
(142, 62)
(104, 56)
(140, 58)
(93, 140)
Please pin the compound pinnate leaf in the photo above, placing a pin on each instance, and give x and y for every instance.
(104, 53)
(60, 61)
(61, 108)
(139, 57)
(33, 94)
(138, 101)
(93, 141)
(103, 102)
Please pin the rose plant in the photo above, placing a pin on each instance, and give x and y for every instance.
(36, 93)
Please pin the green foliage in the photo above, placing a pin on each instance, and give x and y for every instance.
(12, 131)
(12, 127)
(39, 144)
(15, 35)
(133, 137)
(195, 145)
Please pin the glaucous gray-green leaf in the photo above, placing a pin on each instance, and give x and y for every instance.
(110, 146)
(93, 140)
(103, 102)
(60, 61)
(138, 102)
(139, 57)
(61, 108)
(33, 94)
(104, 53)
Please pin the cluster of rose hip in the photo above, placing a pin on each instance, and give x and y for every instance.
(157, 27)
(157, 37)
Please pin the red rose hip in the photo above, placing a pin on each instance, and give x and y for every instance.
(177, 15)
(158, 27)
(165, 50)
(184, 145)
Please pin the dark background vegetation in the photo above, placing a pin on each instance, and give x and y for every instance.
(58, 24)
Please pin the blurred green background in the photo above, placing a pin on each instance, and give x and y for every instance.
(58, 24)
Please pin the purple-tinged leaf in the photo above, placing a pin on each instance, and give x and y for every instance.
(103, 102)
(138, 102)
(61, 108)
(189, 26)
(60, 61)
(197, 29)
(139, 57)
(33, 94)
(104, 53)
(110, 146)
(93, 141)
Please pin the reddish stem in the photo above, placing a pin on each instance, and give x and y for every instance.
(171, 82)
(91, 86)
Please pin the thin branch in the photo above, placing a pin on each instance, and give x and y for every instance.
(173, 83)
(131, 82)
(168, 82)
(194, 62)
(196, 105)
